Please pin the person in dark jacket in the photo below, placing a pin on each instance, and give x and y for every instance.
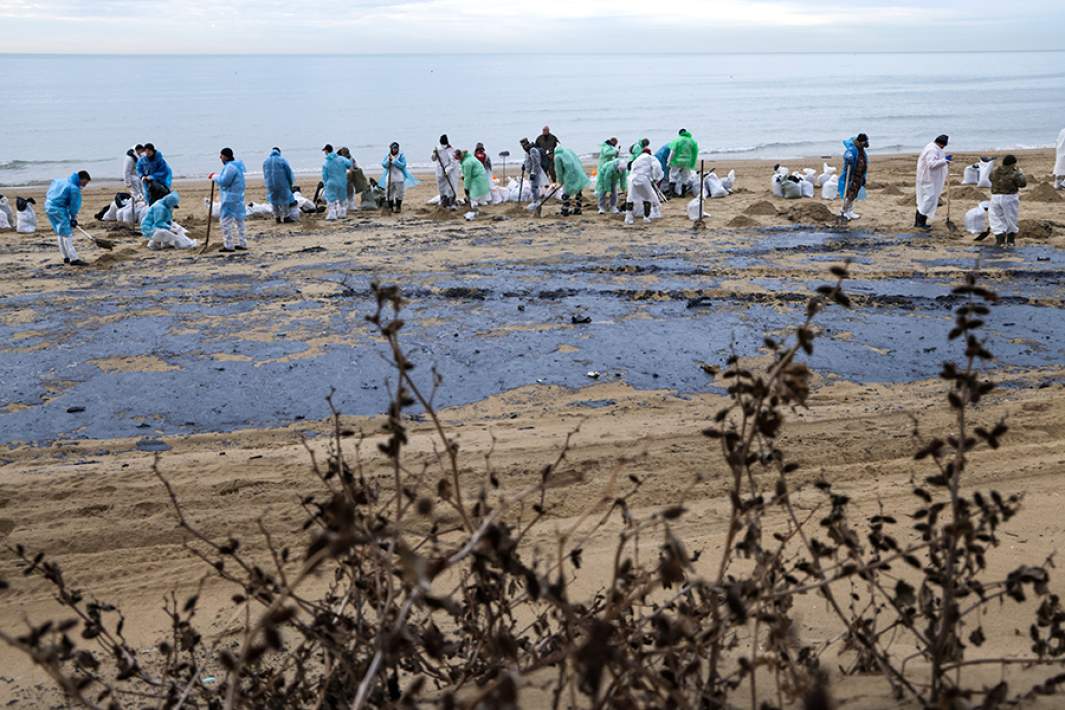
(1004, 214)
(547, 142)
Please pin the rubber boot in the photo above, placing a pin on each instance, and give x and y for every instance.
(1000, 240)
(391, 205)
(672, 189)
(399, 206)
(578, 203)
(1011, 239)
(918, 220)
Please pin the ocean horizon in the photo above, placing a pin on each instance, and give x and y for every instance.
(79, 111)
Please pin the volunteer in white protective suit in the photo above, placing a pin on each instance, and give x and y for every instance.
(1004, 214)
(130, 178)
(447, 172)
(1059, 166)
(644, 173)
(932, 168)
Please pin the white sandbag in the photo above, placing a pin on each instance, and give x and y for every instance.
(303, 203)
(27, 218)
(791, 189)
(131, 212)
(774, 186)
(713, 187)
(971, 174)
(985, 172)
(729, 181)
(693, 210)
(807, 188)
(976, 218)
(498, 195)
(809, 174)
(174, 238)
(7, 216)
(258, 210)
(216, 209)
(828, 172)
(830, 189)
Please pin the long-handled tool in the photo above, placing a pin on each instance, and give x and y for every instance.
(951, 227)
(538, 207)
(98, 241)
(210, 218)
(504, 154)
(454, 194)
(521, 182)
(701, 223)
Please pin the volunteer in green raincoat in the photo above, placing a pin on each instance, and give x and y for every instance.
(474, 178)
(570, 174)
(683, 157)
(611, 180)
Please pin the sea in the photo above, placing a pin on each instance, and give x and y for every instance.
(68, 112)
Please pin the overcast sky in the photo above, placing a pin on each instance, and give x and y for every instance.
(383, 26)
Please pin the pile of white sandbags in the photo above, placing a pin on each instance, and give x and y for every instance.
(793, 185)
(979, 173)
(715, 187)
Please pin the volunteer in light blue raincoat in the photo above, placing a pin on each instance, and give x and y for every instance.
(62, 204)
(396, 178)
(232, 213)
(335, 176)
(278, 180)
(852, 177)
(662, 154)
(160, 215)
(151, 167)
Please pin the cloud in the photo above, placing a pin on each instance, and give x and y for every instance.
(374, 26)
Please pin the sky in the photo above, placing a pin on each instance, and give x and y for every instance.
(471, 26)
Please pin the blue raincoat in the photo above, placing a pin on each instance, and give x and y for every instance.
(62, 203)
(335, 176)
(160, 215)
(663, 157)
(400, 163)
(850, 162)
(231, 180)
(278, 179)
(156, 168)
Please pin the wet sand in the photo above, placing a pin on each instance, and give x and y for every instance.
(151, 344)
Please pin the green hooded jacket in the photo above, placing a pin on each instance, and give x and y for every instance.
(610, 173)
(570, 172)
(684, 151)
(474, 177)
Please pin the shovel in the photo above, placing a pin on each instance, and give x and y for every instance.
(521, 182)
(210, 218)
(504, 154)
(538, 207)
(951, 227)
(701, 222)
(102, 243)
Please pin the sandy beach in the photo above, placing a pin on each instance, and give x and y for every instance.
(79, 485)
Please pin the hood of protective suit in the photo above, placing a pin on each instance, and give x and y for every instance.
(171, 200)
(74, 180)
(685, 133)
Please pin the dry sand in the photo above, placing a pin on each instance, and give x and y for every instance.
(108, 522)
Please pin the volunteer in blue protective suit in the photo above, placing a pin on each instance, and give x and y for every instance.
(396, 178)
(155, 174)
(62, 204)
(335, 176)
(231, 181)
(278, 180)
(852, 178)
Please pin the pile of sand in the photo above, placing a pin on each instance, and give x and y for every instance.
(905, 200)
(1038, 229)
(1044, 192)
(744, 221)
(811, 213)
(968, 192)
(892, 190)
(763, 208)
